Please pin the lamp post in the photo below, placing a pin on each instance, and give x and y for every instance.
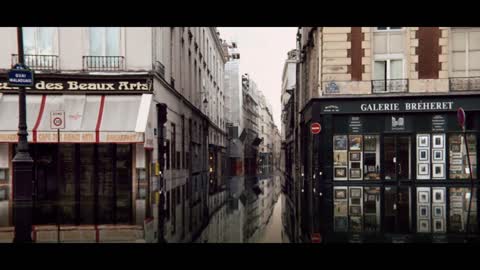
(22, 166)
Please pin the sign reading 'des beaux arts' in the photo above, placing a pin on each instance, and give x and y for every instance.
(76, 83)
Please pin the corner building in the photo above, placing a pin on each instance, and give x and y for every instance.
(391, 161)
(135, 135)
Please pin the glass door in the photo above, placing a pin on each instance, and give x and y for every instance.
(397, 217)
(397, 156)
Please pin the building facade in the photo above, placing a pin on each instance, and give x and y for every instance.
(143, 116)
(391, 163)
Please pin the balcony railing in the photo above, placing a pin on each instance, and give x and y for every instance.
(390, 86)
(464, 83)
(103, 63)
(38, 62)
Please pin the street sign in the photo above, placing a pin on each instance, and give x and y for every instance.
(315, 128)
(57, 120)
(20, 76)
(461, 117)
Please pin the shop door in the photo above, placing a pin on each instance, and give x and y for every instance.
(397, 153)
(397, 210)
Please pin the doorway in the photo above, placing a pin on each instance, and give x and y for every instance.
(397, 157)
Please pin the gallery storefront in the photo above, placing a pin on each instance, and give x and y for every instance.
(91, 176)
(391, 168)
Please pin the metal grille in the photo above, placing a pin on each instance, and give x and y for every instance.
(38, 62)
(464, 83)
(103, 63)
(390, 86)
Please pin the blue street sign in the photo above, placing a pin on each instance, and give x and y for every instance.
(20, 77)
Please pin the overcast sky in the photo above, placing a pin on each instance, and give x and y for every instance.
(263, 51)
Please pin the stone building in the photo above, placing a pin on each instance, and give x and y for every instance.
(390, 162)
(116, 159)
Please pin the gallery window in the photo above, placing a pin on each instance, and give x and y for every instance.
(431, 210)
(356, 157)
(458, 156)
(431, 162)
(459, 200)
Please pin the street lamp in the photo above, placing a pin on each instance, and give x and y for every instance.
(22, 166)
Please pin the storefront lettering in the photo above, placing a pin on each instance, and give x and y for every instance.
(121, 138)
(410, 106)
(142, 84)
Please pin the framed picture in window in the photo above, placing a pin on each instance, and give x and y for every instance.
(341, 208)
(423, 197)
(355, 210)
(423, 211)
(355, 192)
(370, 143)
(423, 155)
(355, 173)
(438, 211)
(438, 155)
(423, 225)
(341, 172)
(438, 196)
(423, 140)
(340, 158)
(423, 169)
(438, 141)
(355, 156)
(340, 142)
(355, 142)
(438, 225)
(355, 165)
(438, 171)
(340, 194)
(455, 147)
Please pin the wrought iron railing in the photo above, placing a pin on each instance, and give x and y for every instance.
(103, 63)
(38, 62)
(464, 83)
(390, 86)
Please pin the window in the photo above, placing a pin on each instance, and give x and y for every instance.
(465, 44)
(388, 58)
(104, 41)
(459, 200)
(40, 40)
(458, 156)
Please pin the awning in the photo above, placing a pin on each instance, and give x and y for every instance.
(88, 118)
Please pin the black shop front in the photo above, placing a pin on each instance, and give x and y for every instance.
(390, 169)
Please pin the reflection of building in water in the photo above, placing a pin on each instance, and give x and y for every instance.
(391, 161)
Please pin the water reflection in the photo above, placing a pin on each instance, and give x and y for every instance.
(252, 213)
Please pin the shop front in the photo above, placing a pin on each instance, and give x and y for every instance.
(91, 169)
(392, 169)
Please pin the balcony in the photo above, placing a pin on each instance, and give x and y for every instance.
(390, 86)
(464, 83)
(103, 63)
(38, 62)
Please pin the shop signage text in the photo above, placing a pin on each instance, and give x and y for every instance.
(83, 84)
(409, 106)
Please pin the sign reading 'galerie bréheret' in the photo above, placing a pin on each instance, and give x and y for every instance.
(72, 83)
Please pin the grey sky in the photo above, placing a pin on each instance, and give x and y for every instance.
(263, 51)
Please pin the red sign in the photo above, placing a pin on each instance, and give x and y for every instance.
(316, 238)
(461, 117)
(315, 128)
